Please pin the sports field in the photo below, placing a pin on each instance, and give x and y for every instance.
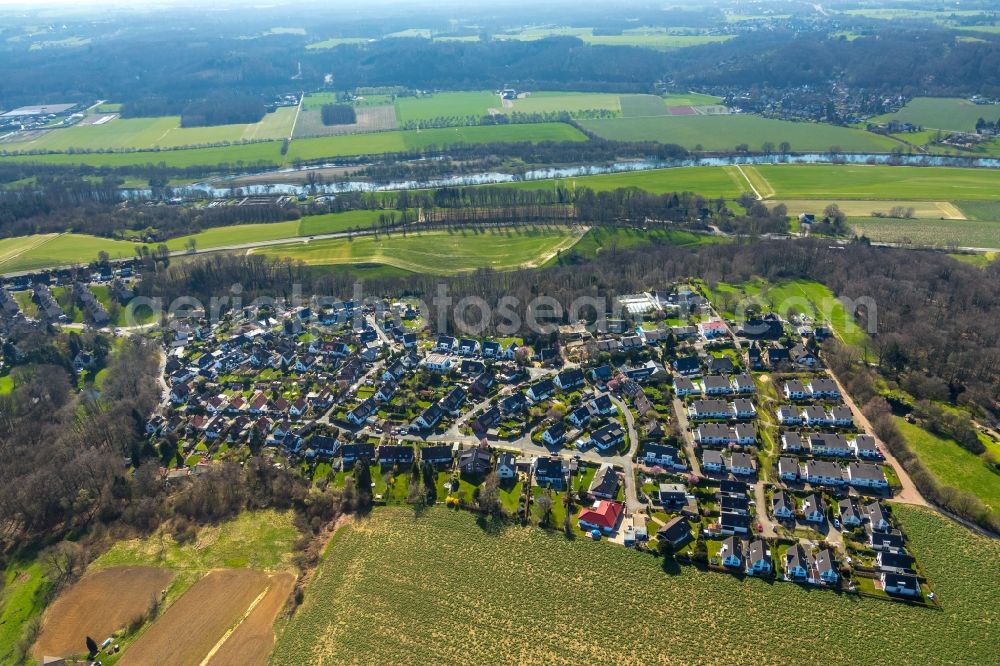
(823, 181)
(438, 252)
(725, 132)
(930, 232)
(467, 590)
(947, 113)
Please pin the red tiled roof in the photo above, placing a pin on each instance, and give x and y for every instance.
(604, 515)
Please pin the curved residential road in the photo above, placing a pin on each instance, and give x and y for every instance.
(632, 502)
(909, 493)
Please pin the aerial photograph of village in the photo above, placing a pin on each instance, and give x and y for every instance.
(621, 332)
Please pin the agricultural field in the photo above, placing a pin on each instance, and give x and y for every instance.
(946, 113)
(570, 102)
(706, 181)
(265, 153)
(953, 465)
(879, 182)
(149, 133)
(436, 253)
(463, 580)
(931, 210)
(929, 232)
(725, 132)
(22, 599)
(203, 616)
(369, 119)
(445, 105)
(121, 593)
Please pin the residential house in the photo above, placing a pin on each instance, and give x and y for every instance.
(608, 437)
(827, 444)
(453, 401)
(602, 516)
(549, 472)
(788, 415)
(438, 455)
(513, 404)
(895, 562)
(684, 387)
(744, 409)
(821, 387)
(788, 468)
(568, 380)
(352, 453)
(709, 409)
(712, 329)
(445, 344)
(711, 461)
(801, 355)
(721, 365)
(900, 583)
(386, 391)
(798, 563)
(776, 356)
(783, 505)
(687, 366)
(429, 418)
(603, 406)
(601, 374)
(848, 512)
(580, 416)
(796, 390)
(758, 558)
(732, 522)
(734, 503)
(660, 454)
(555, 435)
(491, 349)
(890, 540)
(746, 435)
(672, 494)
(716, 385)
(740, 463)
(814, 509)
(605, 483)
(866, 475)
(826, 567)
(393, 454)
(438, 363)
(743, 384)
(841, 416)
(506, 466)
(475, 462)
(864, 447)
(541, 390)
(824, 472)
(677, 531)
(877, 517)
(731, 553)
(792, 442)
(815, 416)
(714, 434)
(488, 419)
(468, 347)
(360, 414)
(471, 367)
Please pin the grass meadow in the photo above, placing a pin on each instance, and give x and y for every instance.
(438, 252)
(953, 465)
(707, 181)
(725, 132)
(880, 182)
(478, 594)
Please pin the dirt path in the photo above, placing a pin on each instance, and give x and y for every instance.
(250, 642)
(909, 493)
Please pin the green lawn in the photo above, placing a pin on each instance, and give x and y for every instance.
(953, 465)
(879, 182)
(725, 132)
(947, 113)
(461, 582)
(445, 105)
(439, 252)
(640, 106)
(58, 250)
(940, 233)
(6, 384)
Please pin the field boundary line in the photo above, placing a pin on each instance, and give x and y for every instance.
(229, 632)
(747, 179)
(950, 210)
(31, 248)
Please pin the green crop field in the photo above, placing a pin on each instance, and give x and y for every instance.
(438, 253)
(149, 133)
(320, 147)
(236, 235)
(937, 233)
(953, 465)
(466, 591)
(570, 102)
(980, 210)
(822, 181)
(332, 223)
(725, 132)
(934, 210)
(445, 105)
(947, 113)
(707, 181)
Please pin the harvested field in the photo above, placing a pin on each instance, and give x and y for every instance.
(194, 625)
(98, 605)
(251, 643)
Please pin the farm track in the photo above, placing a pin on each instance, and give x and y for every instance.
(250, 643)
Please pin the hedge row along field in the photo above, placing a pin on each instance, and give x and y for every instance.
(440, 589)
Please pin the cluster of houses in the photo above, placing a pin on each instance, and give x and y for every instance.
(93, 309)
